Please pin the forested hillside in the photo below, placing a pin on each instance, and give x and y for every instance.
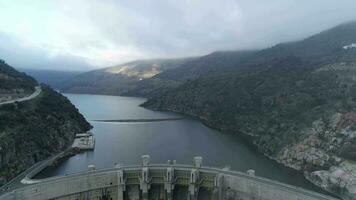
(297, 102)
(33, 130)
(118, 80)
(13, 82)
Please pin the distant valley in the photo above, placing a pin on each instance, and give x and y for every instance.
(53, 78)
(296, 101)
(148, 77)
(121, 79)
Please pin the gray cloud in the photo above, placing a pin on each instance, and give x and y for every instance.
(107, 32)
(21, 56)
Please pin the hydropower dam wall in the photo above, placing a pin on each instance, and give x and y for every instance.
(160, 182)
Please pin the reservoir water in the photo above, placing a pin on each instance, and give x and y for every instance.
(181, 140)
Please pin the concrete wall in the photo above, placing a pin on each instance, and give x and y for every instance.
(70, 187)
(104, 185)
(252, 188)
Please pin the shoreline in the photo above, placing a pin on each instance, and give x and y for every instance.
(248, 140)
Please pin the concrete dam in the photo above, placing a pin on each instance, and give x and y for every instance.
(169, 181)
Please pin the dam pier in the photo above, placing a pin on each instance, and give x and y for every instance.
(170, 181)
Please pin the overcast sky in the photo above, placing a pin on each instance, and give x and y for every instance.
(83, 34)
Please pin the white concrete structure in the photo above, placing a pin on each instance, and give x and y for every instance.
(164, 181)
(84, 141)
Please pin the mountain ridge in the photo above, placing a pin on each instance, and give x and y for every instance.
(173, 72)
(119, 79)
(296, 101)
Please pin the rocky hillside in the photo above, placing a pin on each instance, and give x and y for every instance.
(147, 77)
(213, 63)
(296, 100)
(119, 79)
(33, 130)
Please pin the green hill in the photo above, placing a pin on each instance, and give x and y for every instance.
(33, 130)
(296, 101)
(119, 79)
(13, 82)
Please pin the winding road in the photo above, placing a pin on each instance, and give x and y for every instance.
(17, 180)
(37, 91)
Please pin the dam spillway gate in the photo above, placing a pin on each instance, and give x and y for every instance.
(161, 182)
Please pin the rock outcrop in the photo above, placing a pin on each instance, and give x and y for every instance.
(297, 103)
(339, 179)
(325, 154)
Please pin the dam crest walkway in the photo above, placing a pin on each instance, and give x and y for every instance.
(169, 181)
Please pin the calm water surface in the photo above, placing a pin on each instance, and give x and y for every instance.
(179, 140)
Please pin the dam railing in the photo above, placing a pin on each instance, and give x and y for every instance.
(122, 180)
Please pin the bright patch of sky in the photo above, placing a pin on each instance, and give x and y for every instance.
(83, 34)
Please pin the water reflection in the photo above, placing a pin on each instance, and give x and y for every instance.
(180, 140)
